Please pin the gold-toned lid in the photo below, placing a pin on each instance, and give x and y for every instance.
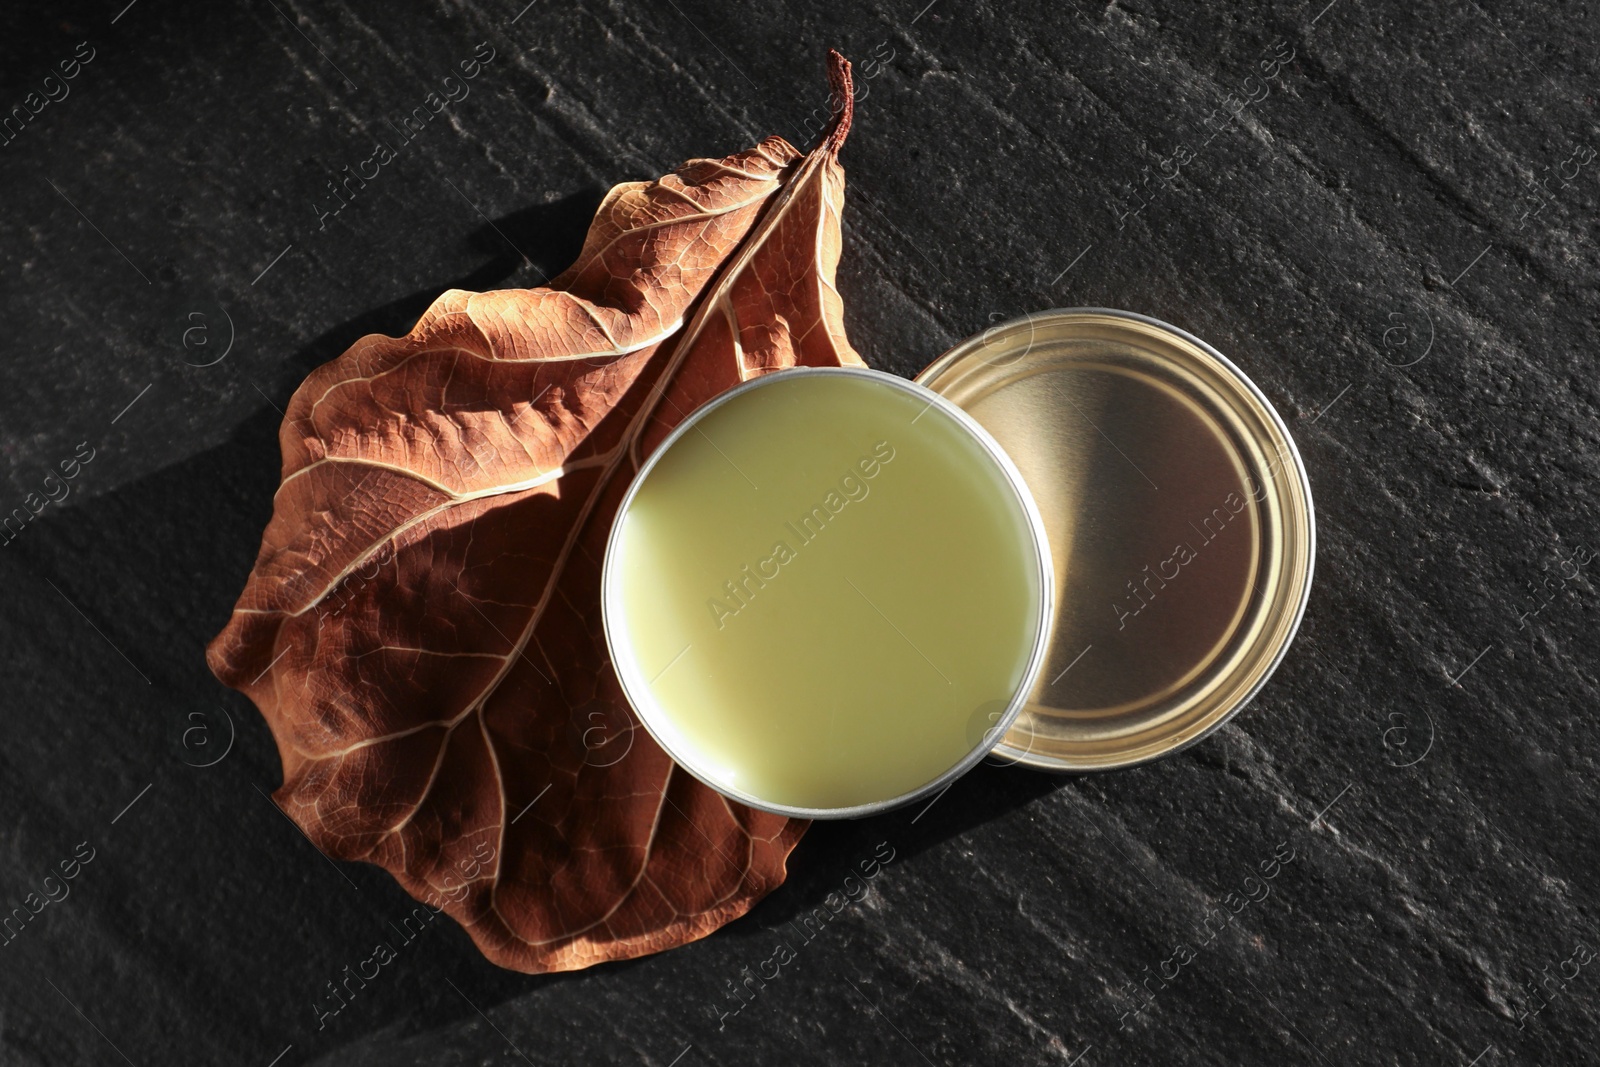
(1179, 518)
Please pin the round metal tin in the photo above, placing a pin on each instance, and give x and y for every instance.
(1180, 523)
(636, 685)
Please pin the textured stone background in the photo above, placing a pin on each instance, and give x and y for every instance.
(1368, 241)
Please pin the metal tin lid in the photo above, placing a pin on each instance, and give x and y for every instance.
(1180, 523)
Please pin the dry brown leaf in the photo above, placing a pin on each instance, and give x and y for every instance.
(422, 627)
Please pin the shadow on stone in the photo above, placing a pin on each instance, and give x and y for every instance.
(526, 247)
(832, 851)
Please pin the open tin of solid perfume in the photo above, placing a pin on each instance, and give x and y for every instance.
(1180, 521)
(828, 592)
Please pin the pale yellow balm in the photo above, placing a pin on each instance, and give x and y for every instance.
(828, 592)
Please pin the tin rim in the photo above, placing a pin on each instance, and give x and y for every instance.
(632, 680)
(1284, 445)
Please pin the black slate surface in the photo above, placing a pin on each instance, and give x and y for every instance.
(1397, 242)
